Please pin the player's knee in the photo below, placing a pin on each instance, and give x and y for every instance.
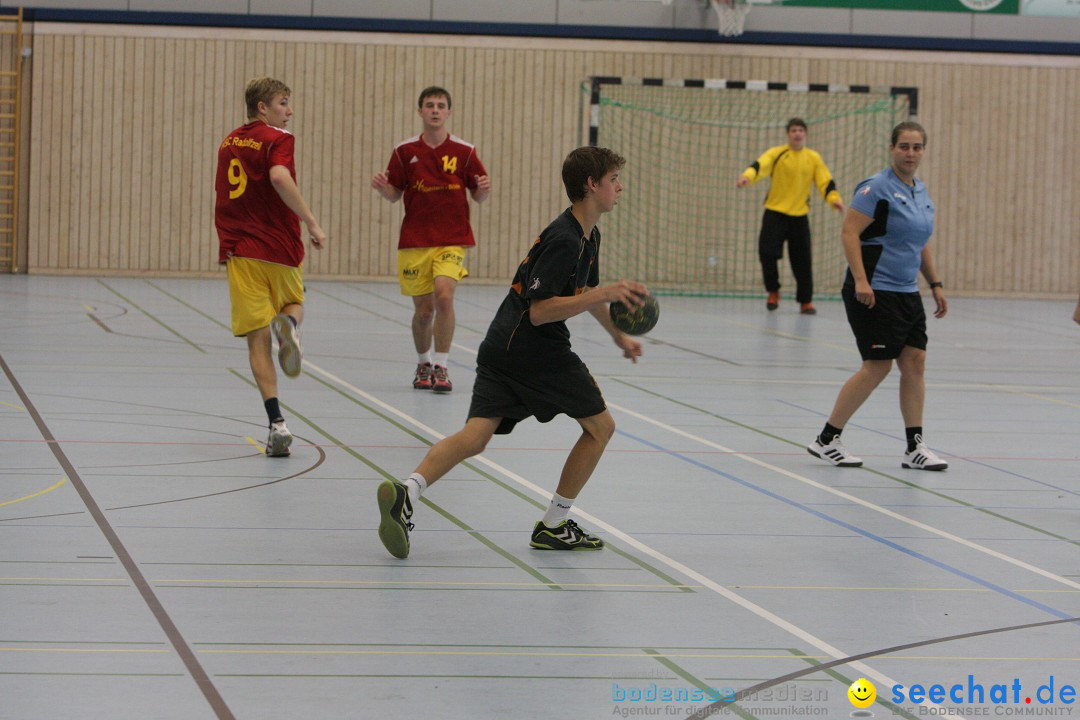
(425, 313)
(473, 447)
(912, 363)
(473, 443)
(602, 428)
(444, 301)
(877, 369)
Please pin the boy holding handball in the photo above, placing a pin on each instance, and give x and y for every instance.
(525, 366)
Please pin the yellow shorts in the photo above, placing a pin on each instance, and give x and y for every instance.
(259, 290)
(418, 267)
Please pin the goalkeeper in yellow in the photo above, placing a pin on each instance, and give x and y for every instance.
(794, 168)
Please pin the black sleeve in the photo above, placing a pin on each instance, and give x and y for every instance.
(554, 261)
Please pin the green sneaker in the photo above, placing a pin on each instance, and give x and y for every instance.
(567, 535)
(396, 510)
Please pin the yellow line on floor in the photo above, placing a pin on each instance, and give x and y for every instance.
(62, 579)
(80, 650)
(895, 589)
(444, 583)
(469, 583)
(37, 494)
(264, 581)
(506, 653)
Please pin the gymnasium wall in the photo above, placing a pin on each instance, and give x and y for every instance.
(992, 21)
(125, 122)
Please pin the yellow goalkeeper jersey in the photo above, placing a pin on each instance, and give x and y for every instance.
(793, 172)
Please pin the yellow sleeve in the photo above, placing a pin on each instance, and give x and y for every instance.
(763, 167)
(824, 180)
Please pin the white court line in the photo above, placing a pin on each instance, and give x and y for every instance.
(859, 501)
(694, 575)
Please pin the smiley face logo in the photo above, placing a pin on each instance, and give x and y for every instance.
(862, 693)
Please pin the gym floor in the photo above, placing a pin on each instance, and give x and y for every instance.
(155, 564)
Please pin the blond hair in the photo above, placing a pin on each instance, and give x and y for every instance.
(263, 90)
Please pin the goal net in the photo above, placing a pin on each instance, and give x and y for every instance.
(681, 225)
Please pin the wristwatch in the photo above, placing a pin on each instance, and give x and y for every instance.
(937, 284)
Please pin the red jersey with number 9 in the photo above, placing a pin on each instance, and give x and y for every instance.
(251, 218)
(434, 181)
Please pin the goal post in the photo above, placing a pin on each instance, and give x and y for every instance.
(682, 226)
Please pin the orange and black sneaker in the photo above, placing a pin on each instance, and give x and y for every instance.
(808, 309)
(423, 379)
(773, 302)
(441, 380)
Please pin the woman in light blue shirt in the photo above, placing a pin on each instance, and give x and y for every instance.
(886, 237)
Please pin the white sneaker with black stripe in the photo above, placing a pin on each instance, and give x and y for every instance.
(277, 444)
(290, 356)
(923, 458)
(834, 453)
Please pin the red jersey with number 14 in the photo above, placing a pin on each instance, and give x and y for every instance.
(434, 181)
(251, 218)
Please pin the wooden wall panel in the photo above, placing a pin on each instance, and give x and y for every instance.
(125, 123)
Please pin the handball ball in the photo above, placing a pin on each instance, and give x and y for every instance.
(636, 322)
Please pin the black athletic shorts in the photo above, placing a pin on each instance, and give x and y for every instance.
(881, 332)
(776, 227)
(514, 397)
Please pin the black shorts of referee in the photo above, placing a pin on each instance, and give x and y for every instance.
(881, 332)
(514, 396)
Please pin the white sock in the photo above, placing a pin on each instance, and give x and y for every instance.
(424, 357)
(557, 511)
(416, 485)
(441, 358)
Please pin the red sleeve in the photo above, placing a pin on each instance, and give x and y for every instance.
(281, 152)
(474, 168)
(395, 169)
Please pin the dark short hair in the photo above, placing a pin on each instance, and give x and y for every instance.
(263, 89)
(434, 91)
(584, 163)
(796, 122)
(904, 127)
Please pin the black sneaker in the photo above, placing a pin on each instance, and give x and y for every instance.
(567, 535)
(396, 510)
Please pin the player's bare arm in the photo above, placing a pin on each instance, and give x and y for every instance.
(854, 224)
(381, 182)
(631, 348)
(554, 309)
(929, 271)
(483, 188)
(285, 186)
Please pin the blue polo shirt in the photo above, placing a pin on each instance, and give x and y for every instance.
(903, 223)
